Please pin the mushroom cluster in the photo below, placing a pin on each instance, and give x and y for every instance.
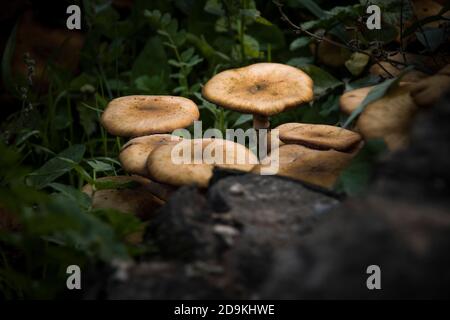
(158, 161)
(390, 117)
(148, 155)
(312, 153)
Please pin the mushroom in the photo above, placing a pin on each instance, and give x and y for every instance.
(318, 136)
(203, 155)
(388, 118)
(313, 153)
(141, 198)
(261, 89)
(317, 167)
(427, 8)
(133, 116)
(428, 91)
(134, 153)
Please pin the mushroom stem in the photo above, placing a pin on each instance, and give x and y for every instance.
(262, 122)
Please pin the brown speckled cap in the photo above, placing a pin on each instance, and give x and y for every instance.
(263, 88)
(139, 199)
(318, 136)
(317, 167)
(134, 116)
(135, 152)
(162, 168)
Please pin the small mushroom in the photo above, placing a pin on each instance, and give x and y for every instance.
(141, 198)
(318, 136)
(209, 153)
(428, 91)
(317, 167)
(134, 153)
(388, 118)
(350, 100)
(134, 116)
(261, 89)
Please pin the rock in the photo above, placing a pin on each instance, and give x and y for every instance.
(162, 280)
(409, 243)
(267, 211)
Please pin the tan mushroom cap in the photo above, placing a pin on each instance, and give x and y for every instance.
(318, 136)
(262, 88)
(350, 100)
(162, 168)
(429, 91)
(135, 197)
(389, 118)
(317, 167)
(134, 153)
(133, 116)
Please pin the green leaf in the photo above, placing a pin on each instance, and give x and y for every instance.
(122, 223)
(243, 118)
(300, 61)
(151, 61)
(214, 7)
(356, 178)
(323, 81)
(76, 195)
(357, 63)
(251, 47)
(58, 166)
(100, 166)
(299, 43)
(432, 39)
(111, 184)
(312, 7)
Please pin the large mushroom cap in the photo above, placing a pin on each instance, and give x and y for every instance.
(262, 88)
(134, 153)
(318, 136)
(135, 195)
(318, 167)
(133, 116)
(163, 168)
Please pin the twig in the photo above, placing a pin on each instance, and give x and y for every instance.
(299, 29)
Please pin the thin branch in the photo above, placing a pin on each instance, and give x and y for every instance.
(299, 29)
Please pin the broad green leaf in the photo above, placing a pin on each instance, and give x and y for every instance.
(323, 81)
(299, 43)
(243, 118)
(58, 166)
(76, 195)
(151, 61)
